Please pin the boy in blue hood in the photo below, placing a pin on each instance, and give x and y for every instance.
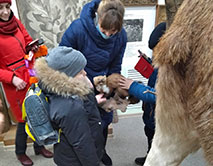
(146, 93)
(99, 35)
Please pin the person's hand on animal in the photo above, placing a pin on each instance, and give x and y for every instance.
(100, 99)
(18, 83)
(125, 83)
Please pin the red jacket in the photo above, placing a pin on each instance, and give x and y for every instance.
(12, 51)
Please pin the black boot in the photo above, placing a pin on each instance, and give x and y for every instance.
(140, 161)
(106, 160)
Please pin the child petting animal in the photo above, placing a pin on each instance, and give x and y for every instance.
(73, 107)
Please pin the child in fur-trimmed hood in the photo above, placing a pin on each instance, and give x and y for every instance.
(73, 107)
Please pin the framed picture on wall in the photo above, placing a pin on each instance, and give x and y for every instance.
(160, 14)
(139, 2)
(139, 21)
(134, 29)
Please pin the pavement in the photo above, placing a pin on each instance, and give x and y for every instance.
(127, 143)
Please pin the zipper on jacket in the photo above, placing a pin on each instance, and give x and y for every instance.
(20, 43)
(15, 62)
(18, 67)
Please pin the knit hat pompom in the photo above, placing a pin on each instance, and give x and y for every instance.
(67, 60)
(6, 1)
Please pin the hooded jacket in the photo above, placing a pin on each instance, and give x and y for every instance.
(104, 56)
(73, 108)
(136, 89)
(12, 63)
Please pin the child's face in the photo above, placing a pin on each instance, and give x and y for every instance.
(82, 75)
(5, 11)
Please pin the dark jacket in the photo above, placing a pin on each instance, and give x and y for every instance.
(149, 107)
(149, 99)
(74, 110)
(104, 56)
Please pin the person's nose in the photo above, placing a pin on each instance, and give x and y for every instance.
(85, 73)
(5, 11)
(108, 33)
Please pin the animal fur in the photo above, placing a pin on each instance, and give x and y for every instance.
(108, 86)
(184, 108)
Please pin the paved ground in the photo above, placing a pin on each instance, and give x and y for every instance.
(127, 143)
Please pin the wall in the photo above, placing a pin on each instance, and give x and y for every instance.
(48, 19)
(14, 8)
(161, 2)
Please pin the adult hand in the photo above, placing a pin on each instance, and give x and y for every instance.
(19, 83)
(100, 98)
(125, 83)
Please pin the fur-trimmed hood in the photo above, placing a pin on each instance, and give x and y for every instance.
(59, 83)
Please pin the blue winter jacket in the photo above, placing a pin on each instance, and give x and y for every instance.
(149, 99)
(104, 56)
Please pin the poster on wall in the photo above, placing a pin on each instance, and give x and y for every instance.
(138, 23)
(134, 29)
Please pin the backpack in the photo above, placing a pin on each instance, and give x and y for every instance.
(35, 111)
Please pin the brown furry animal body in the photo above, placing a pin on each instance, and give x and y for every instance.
(184, 109)
(109, 85)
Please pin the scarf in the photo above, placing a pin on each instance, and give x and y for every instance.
(10, 26)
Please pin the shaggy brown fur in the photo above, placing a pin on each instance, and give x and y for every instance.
(109, 85)
(184, 109)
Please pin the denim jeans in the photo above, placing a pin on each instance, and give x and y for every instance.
(21, 140)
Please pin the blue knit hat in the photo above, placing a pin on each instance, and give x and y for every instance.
(67, 60)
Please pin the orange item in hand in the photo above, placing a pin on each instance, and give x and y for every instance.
(42, 51)
(33, 80)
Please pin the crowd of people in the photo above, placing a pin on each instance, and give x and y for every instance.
(93, 45)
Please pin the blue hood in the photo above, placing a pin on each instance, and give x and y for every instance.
(87, 18)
